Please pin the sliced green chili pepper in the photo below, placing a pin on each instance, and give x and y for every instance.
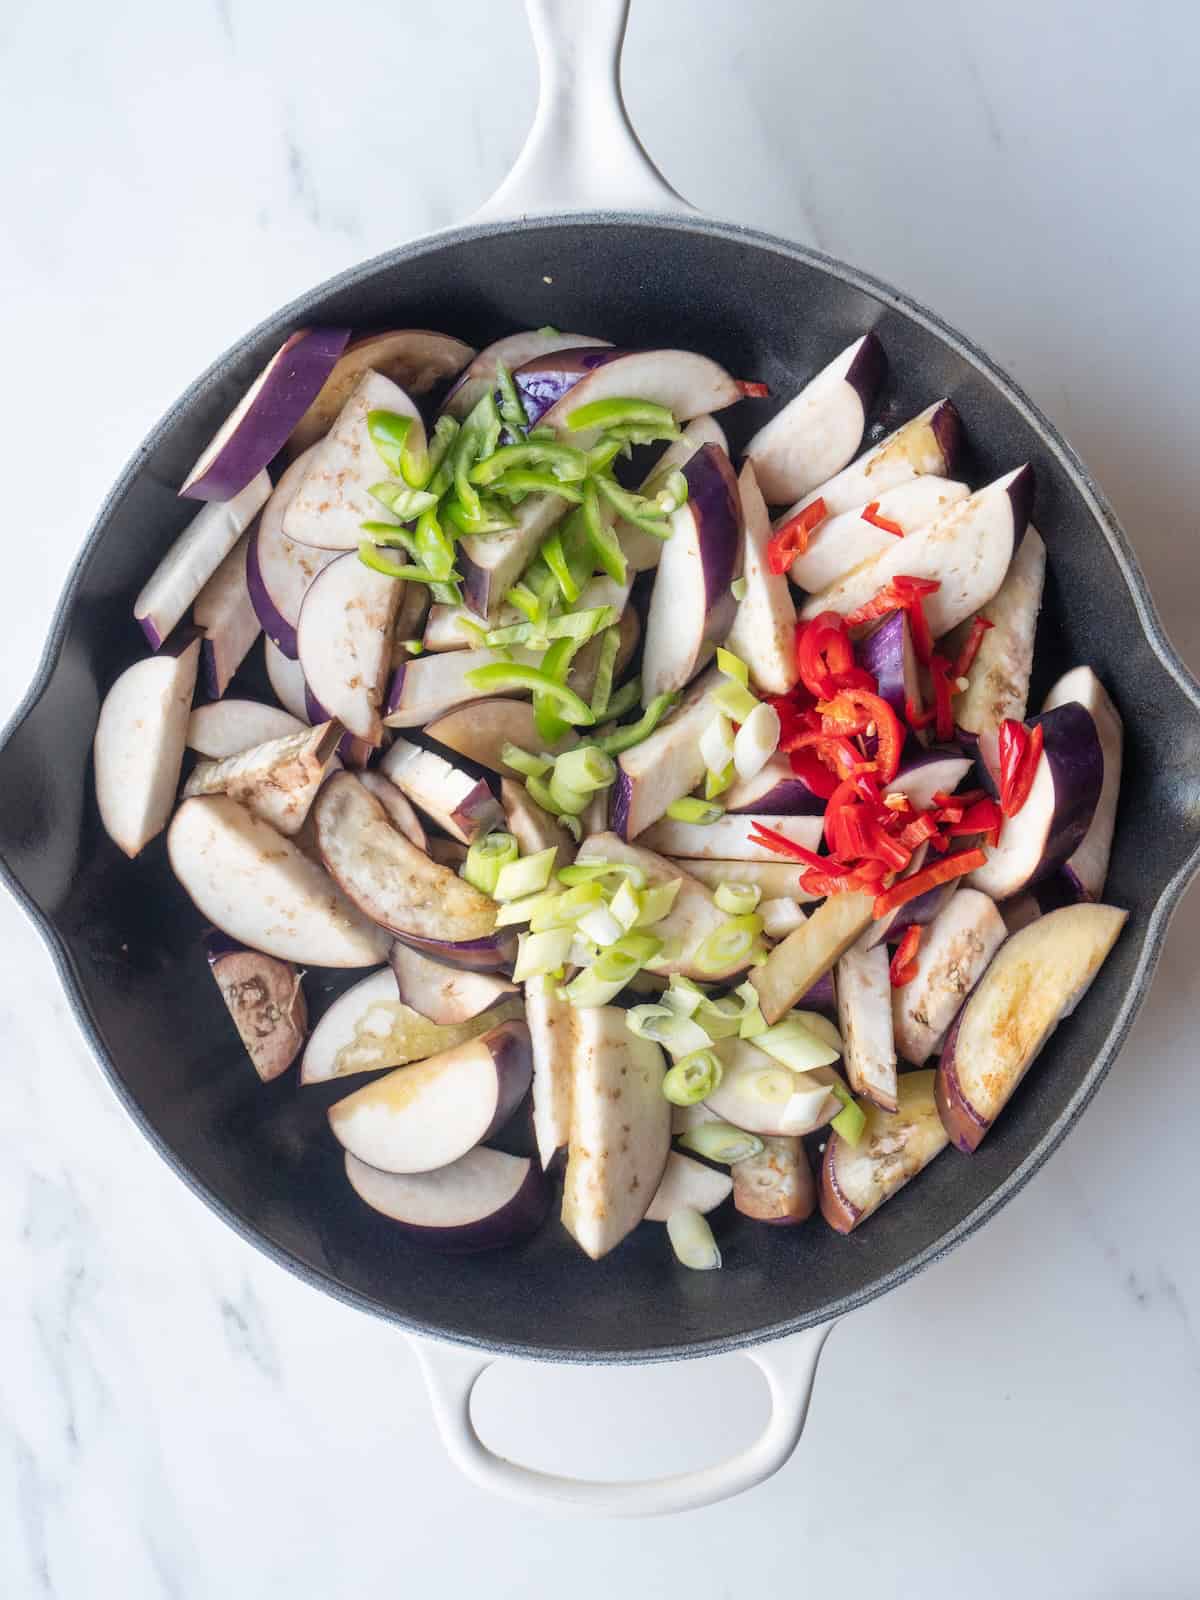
(622, 739)
(602, 692)
(602, 541)
(502, 675)
(519, 483)
(565, 462)
(617, 413)
(635, 508)
(512, 407)
(626, 697)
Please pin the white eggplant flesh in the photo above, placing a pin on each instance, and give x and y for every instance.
(344, 641)
(764, 629)
(464, 806)
(843, 542)
(729, 838)
(894, 1147)
(1088, 866)
(688, 1183)
(286, 678)
(864, 996)
(138, 748)
(227, 727)
(664, 767)
(552, 1036)
(953, 954)
(277, 781)
(927, 445)
(414, 358)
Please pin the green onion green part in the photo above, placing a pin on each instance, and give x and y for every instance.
(689, 809)
(529, 875)
(720, 1141)
(693, 1078)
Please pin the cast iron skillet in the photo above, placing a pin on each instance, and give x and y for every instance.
(126, 941)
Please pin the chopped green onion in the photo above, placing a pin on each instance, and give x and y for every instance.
(486, 857)
(657, 902)
(716, 783)
(611, 971)
(567, 464)
(731, 945)
(692, 1240)
(796, 1046)
(738, 899)
(512, 407)
(601, 927)
(562, 909)
(529, 875)
(821, 1026)
(719, 1141)
(716, 743)
(753, 1022)
(538, 791)
(412, 647)
(402, 501)
(851, 1120)
(734, 699)
(680, 1036)
(622, 739)
(689, 809)
(775, 1085)
(618, 413)
(733, 667)
(503, 675)
(684, 996)
(585, 769)
(635, 508)
(602, 541)
(589, 871)
(720, 1017)
(572, 802)
(529, 766)
(573, 826)
(623, 700)
(541, 952)
(626, 905)
(602, 692)
(738, 589)
(512, 912)
(693, 1078)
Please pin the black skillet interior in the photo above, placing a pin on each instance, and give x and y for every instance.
(129, 941)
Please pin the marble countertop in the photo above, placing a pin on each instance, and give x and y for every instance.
(179, 1417)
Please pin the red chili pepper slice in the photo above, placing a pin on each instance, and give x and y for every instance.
(871, 514)
(752, 391)
(943, 696)
(983, 817)
(809, 767)
(906, 889)
(918, 719)
(919, 831)
(970, 649)
(824, 654)
(904, 963)
(903, 593)
(790, 538)
(858, 711)
(782, 846)
(1020, 751)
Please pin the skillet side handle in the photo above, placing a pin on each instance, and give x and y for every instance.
(789, 1366)
(581, 153)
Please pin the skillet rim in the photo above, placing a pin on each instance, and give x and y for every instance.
(1102, 513)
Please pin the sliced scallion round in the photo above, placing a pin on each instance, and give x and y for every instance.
(485, 859)
(720, 1141)
(729, 946)
(692, 1240)
(529, 875)
(693, 1078)
(737, 899)
(691, 809)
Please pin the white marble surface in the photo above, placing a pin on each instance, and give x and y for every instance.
(178, 1417)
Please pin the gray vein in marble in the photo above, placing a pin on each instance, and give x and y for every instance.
(991, 121)
(300, 180)
(225, 16)
(32, 1497)
(247, 1333)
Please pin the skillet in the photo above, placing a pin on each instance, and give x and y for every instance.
(584, 233)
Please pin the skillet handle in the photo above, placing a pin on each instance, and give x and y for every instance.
(789, 1366)
(581, 153)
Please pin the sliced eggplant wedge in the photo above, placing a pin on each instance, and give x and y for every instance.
(692, 603)
(424, 688)
(194, 557)
(278, 570)
(1060, 807)
(445, 995)
(928, 444)
(774, 791)
(804, 957)
(333, 498)
(664, 767)
(1088, 866)
(464, 806)
(774, 880)
(491, 563)
(552, 1035)
(139, 743)
(641, 549)
(967, 550)
(894, 1147)
(819, 429)
(258, 887)
(399, 813)
(533, 828)
(729, 838)
(286, 678)
(397, 886)
(759, 1096)
(483, 1201)
(425, 1116)
(999, 679)
(277, 781)
(620, 1131)
(344, 641)
(513, 351)
(764, 630)
(227, 727)
(369, 1028)
(224, 612)
(686, 383)
(845, 541)
(688, 1183)
(414, 358)
(266, 1001)
(1038, 977)
(864, 1000)
(954, 952)
(776, 1185)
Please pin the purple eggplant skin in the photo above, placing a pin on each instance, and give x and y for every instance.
(1062, 888)
(821, 997)
(276, 627)
(476, 955)
(887, 654)
(946, 427)
(773, 795)
(542, 382)
(970, 747)
(296, 376)
(1072, 747)
(354, 752)
(477, 595)
(866, 372)
(620, 795)
(265, 1000)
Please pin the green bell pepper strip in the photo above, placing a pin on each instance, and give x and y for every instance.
(602, 692)
(555, 557)
(522, 597)
(389, 433)
(433, 546)
(368, 554)
(616, 413)
(502, 675)
(518, 483)
(549, 724)
(605, 452)
(625, 698)
(491, 517)
(402, 501)
(511, 406)
(602, 541)
(567, 464)
(622, 739)
(635, 508)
